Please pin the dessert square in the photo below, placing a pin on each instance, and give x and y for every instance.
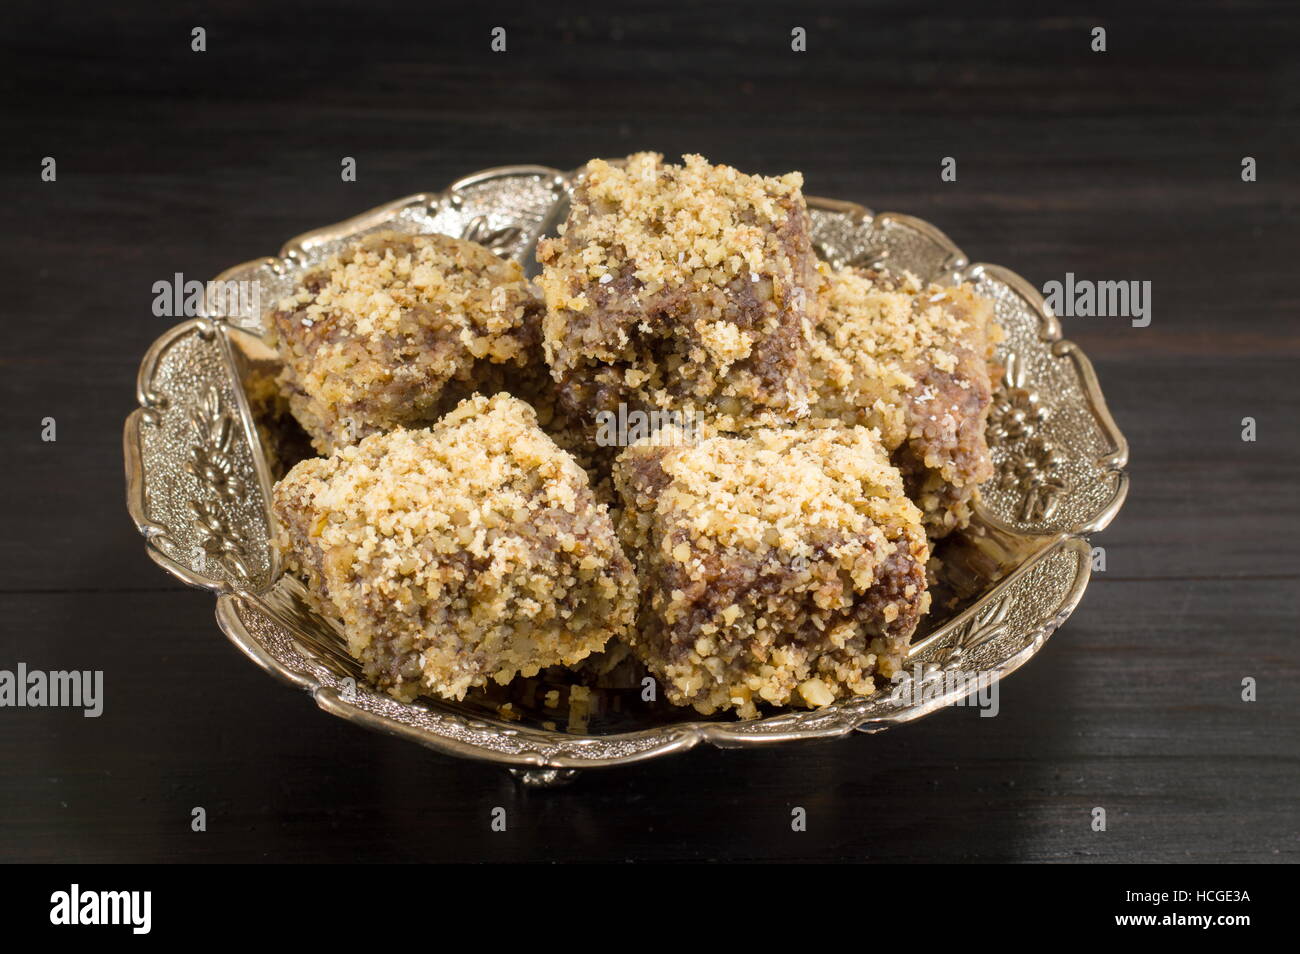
(680, 286)
(785, 566)
(912, 361)
(467, 552)
(371, 340)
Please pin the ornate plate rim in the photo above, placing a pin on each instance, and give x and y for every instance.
(851, 716)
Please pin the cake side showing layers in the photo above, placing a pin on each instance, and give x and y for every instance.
(371, 339)
(912, 361)
(283, 439)
(680, 286)
(470, 551)
(784, 566)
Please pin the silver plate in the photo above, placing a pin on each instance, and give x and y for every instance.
(198, 488)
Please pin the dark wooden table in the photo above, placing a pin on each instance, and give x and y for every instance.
(1120, 165)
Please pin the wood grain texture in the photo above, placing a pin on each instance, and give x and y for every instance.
(1123, 165)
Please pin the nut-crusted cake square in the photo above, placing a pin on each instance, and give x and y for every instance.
(911, 361)
(784, 566)
(370, 340)
(680, 286)
(470, 551)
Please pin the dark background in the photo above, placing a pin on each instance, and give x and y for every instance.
(1118, 165)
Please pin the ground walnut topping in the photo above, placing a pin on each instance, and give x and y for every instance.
(467, 552)
(530, 381)
(782, 566)
(911, 361)
(370, 340)
(673, 286)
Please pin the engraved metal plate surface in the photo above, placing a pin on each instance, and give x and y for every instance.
(198, 488)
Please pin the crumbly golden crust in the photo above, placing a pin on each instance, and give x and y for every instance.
(785, 566)
(676, 286)
(469, 551)
(913, 362)
(370, 340)
(530, 381)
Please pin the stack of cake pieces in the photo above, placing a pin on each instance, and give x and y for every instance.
(766, 545)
